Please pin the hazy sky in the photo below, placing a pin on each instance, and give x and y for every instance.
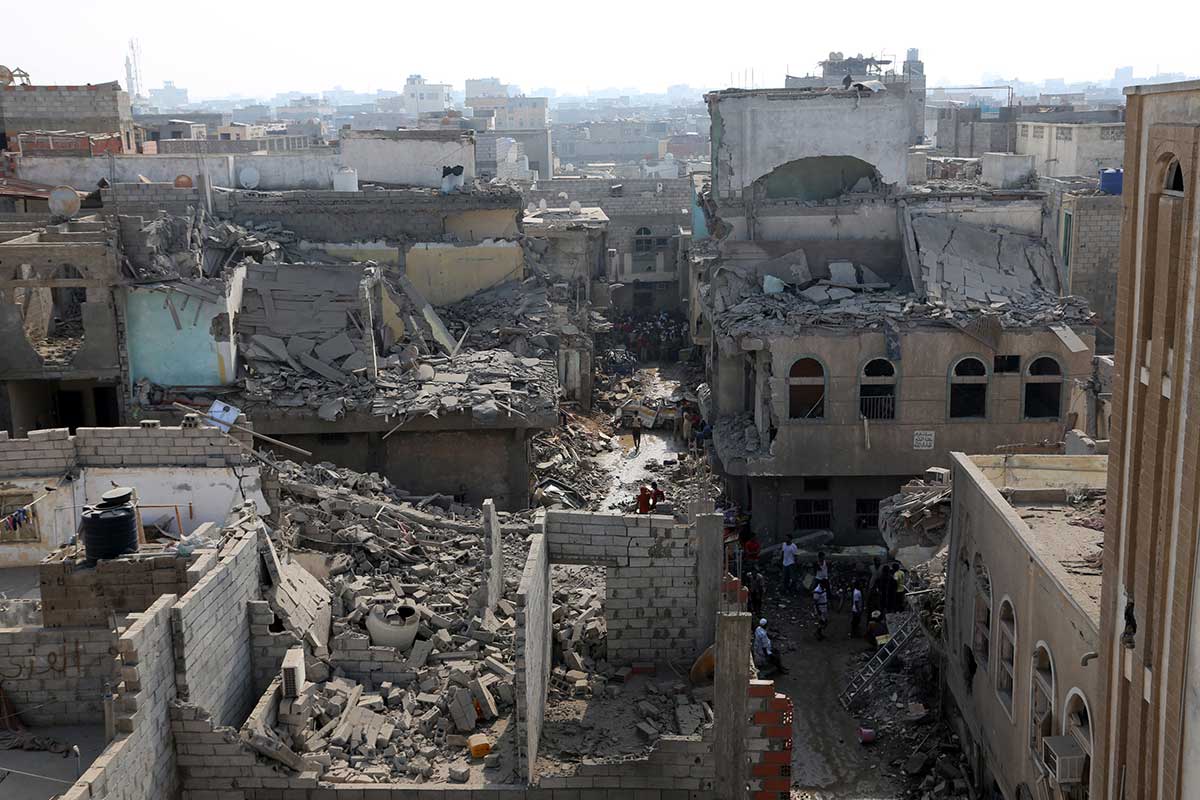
(222, 48)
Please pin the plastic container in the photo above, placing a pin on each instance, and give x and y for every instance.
(108, 531)
(1111, 180)
(479, 744)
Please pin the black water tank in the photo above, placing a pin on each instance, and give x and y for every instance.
(109, 528)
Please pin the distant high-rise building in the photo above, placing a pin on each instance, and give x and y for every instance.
(1122, 76)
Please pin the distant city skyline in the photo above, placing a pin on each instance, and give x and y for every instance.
(230, 49)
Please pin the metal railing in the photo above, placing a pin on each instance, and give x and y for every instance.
(877, 407)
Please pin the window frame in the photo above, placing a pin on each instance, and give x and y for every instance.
(1029, 379)
(1007, 665)
(892, 381)
(11, 499)
(981, 628)
(827, 502)
(1036, 685)
(953, 380)
(643, 241)
(859, 514)
(823, 381)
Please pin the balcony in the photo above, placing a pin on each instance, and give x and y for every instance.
(877, 406)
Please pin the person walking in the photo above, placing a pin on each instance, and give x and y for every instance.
(788, 560)
(643, 500)
(821, 600)
(856, 609)
(635, 430)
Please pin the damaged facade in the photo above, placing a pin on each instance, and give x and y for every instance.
(860, 333)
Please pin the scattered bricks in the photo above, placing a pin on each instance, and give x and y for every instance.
(462, 709)
(460, 773)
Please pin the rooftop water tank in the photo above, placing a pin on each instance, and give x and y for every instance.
(345, 180)
(1111, 180)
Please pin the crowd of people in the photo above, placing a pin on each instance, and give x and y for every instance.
(655, 336)
(872, 594)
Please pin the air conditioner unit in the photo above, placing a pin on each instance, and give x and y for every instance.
(1064, 759)
(292, 672)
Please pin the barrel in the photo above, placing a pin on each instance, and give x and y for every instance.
(109, 529)
(1111, 180)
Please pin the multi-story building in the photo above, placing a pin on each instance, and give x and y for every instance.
(94, 108)
(1150, 638)
(1071, 148)
(858, 333)
(169, 96)
(421, 97)
(1022, 624)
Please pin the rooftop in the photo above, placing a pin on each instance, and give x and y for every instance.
(1061, 502)
(565, 217)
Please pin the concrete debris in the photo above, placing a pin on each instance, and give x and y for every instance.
(195, 245)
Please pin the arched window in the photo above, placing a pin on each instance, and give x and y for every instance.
(806, 390)
(983, 614)
(643, 240)
(1043, 389)
(1077, 723)
(1174, 181)
(877, 390)
(1006, 674)
(968, 389)
(1041, 698)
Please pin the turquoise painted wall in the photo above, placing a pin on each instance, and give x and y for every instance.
(176, 357)
(699, 224)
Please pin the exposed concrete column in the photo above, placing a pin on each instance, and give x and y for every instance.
(709, 532)
(732, 685)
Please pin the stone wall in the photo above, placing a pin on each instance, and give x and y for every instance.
(212, 635)
(56, 676)
(651, 596)
(148, 199)
(95, 108)
(267, 647)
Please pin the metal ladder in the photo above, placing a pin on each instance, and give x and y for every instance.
(895, 643)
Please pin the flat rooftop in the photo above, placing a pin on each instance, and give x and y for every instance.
(1061, 501)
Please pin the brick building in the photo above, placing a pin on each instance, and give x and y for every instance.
(1150, 637)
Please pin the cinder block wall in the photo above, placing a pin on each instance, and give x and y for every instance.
(211, 623)
(651, 579)
(56, 676)
(140, 763)
(77, 595)
(147, 199)
(54, 451)
(532, 670)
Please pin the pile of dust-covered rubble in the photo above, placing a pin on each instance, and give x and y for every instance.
(194, 245)
(565, 470)
(918, 514)
(400, 564)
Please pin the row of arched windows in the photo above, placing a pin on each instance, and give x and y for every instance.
(995, 651)
(968, 389)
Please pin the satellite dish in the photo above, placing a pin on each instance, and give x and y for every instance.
(64, 201)
(542, 204)
(575, 207)
(248, 177)
(6, 75)
(562, 195)
(183, 181)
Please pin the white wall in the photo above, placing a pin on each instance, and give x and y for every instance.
(412, 162)
(204, 494)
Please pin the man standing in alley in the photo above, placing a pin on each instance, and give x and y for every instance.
(789, 552)
(856, 609)
(821, 601)
(636, 430)
(764, 654)
(758, 593)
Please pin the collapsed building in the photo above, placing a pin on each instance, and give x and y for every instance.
(857, 332)
(315, 632)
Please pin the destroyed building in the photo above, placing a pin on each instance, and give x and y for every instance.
(328, 637)
(1022, 620)
(649, 232)
(858, 332)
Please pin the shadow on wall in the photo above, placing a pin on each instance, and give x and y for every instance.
(818, 178)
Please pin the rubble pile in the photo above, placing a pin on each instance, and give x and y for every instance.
(565, 470)
(195, 245)
(514, 316)
(487, 383)
(917, 516)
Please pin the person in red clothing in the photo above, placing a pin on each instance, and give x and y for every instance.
(656, 495)
(643, 500)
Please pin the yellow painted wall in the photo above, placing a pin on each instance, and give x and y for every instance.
(446, 273)
(483, 223)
